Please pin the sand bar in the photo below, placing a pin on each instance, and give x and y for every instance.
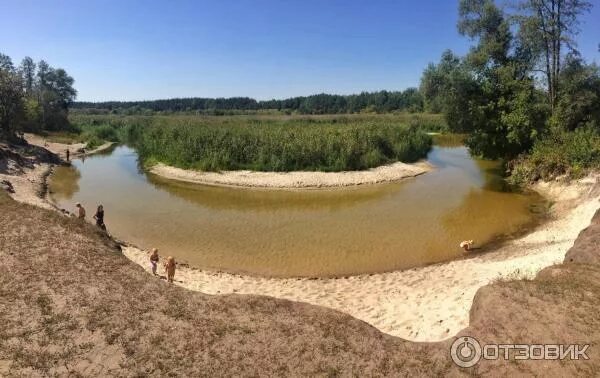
(294, 180)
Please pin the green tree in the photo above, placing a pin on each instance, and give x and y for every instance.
(483, 21)
(54, 93)
(498, 103)
(579, 96)
(27, 72)
(6, 63)
(11, 98)
(436, 82)
(548, 29)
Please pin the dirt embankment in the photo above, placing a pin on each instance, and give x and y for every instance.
(71, 303)
(23, 170)
(559, 306)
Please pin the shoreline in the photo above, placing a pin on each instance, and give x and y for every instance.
(426, 304)
(429, 303)
(296, 179)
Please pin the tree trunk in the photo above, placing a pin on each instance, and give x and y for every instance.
(558, 43)
(547, 52)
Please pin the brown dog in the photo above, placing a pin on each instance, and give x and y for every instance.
(466, 244)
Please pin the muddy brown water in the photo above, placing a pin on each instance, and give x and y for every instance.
(281, 233)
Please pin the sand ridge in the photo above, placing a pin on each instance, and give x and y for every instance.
(430, 303)
(294, 180)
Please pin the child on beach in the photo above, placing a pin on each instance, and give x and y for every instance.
(170, 268)
(154, 260)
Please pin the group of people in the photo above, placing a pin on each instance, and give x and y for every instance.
(98, 217)
(169, 264)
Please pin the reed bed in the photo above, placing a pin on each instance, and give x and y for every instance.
(317, 143)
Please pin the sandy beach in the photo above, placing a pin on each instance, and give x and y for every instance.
(61, 148)
(294, 180)
(430, 303)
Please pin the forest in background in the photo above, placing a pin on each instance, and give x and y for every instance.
(409, 100)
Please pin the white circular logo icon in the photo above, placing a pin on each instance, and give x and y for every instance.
(465, 351)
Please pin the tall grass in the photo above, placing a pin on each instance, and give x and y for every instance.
(324, 143)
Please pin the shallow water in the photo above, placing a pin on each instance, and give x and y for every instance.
(301, 233)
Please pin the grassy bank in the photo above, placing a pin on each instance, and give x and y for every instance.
(271, 143)
(571, 154)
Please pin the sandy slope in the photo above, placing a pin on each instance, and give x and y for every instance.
(294, 180)
(29, 183)
(422, 304)
(28, 186)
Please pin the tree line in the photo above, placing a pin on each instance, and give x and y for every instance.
(33, 96)
(523, 84)
(379, 102)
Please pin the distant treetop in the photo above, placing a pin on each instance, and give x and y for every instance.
(381, 101)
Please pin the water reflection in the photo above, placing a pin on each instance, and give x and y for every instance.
(270, 200)
(68, 184)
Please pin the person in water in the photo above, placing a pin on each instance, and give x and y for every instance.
(99, 217)
(170, 268)
(80, 211)
(154, 260)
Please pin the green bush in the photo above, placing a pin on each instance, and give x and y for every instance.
(93, 142)
(106, 132)
(561, 153)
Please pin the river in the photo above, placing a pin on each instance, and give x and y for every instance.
(281, 233)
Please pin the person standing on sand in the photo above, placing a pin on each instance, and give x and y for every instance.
(154, 260)
(80, 211)
(68, 153)
(170, 268)
(99, 217)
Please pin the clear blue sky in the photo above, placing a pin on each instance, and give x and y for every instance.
(134, 50)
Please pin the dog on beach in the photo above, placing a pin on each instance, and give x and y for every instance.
(466, 244)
